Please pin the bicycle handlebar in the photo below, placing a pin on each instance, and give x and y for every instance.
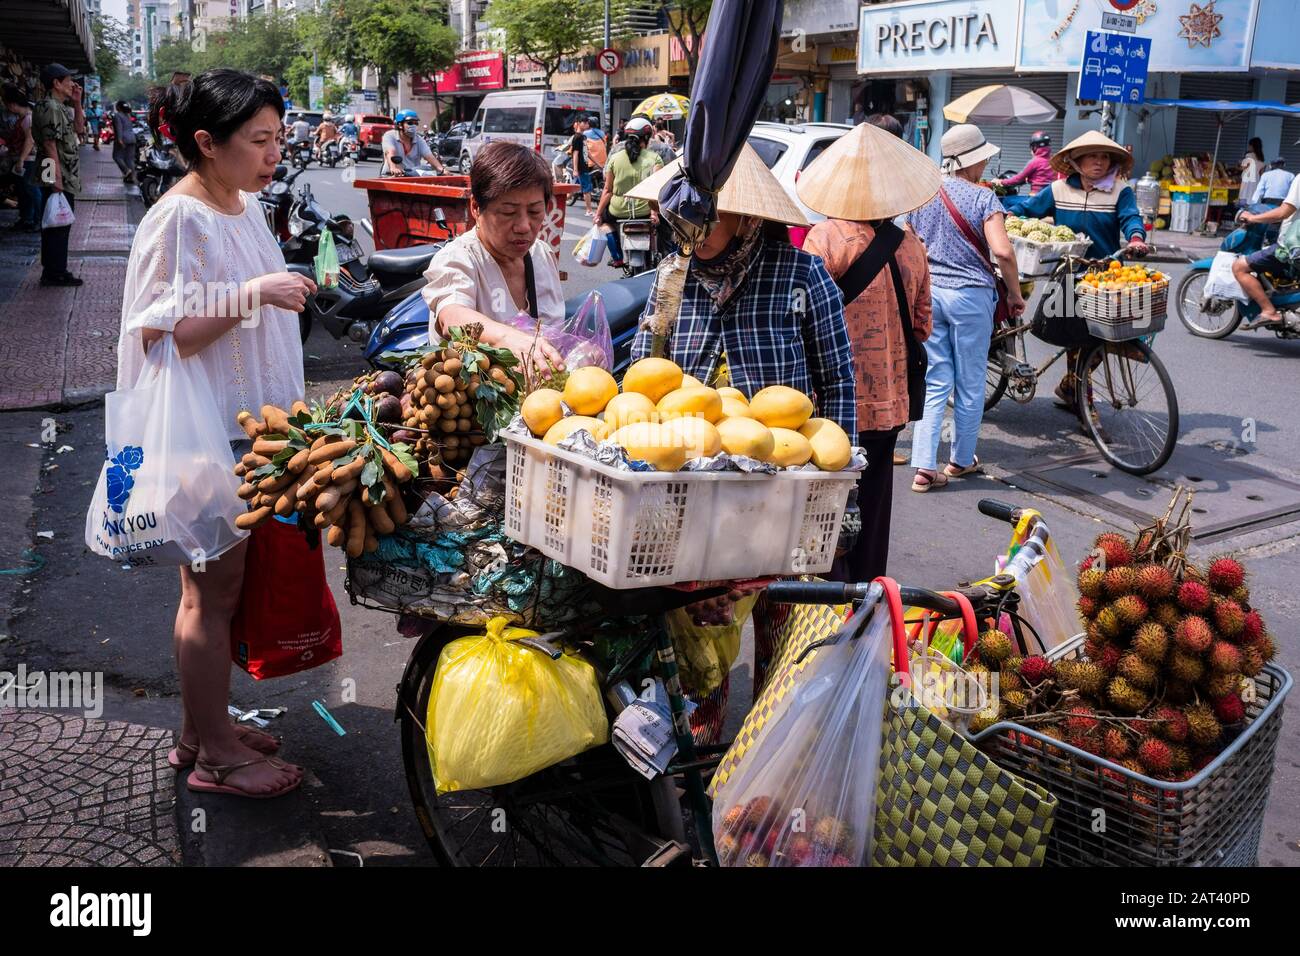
(833, 592)
(1000, 510)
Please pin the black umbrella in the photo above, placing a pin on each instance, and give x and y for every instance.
(740, 48)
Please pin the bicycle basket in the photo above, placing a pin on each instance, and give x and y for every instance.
(1110, 816)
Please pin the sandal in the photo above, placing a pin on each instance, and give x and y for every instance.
(925, 480)
(177, 759)
(958, 471)
(901, 459)
(222, 771)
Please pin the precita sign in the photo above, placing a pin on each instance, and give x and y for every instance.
(937, 34)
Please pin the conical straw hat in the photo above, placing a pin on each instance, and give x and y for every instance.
(750, 190)
(868, 173)
(1092, 142)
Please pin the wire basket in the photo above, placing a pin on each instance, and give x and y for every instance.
(1110, 816)
(1117, 315)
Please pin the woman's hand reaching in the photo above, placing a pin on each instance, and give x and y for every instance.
(543, 356)
(284, 290)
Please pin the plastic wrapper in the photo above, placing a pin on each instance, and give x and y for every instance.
(705, 652)
(1048, 594)
(504, 706)
(582, 339)
(805, 793)
(326, 262)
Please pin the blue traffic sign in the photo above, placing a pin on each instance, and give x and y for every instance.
(1114, 67)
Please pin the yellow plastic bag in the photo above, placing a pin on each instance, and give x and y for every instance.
(500, 710)
(705, 653)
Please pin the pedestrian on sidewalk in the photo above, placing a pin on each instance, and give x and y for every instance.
(1252, 168)
(861, 183)
(1274, 184)
(22, 157)
(57, 125)
(93, 120)
(962, 228)
(205, 269)
(124, 141)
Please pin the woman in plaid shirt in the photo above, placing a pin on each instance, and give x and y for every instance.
(778, 318)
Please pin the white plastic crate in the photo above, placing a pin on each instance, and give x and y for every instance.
(1118, 315)
(639, 529)
(1040, 258)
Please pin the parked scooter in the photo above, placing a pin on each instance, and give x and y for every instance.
(277, 199)
(639, 240)
(1212, 317)
(367, 288)
(160, 170)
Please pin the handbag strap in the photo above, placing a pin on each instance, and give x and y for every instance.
(904, 311)
(976, 241)
(530, 284)
(867, 266)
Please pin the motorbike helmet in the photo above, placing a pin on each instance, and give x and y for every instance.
(1039, 139)
(407, 116)
(638, 127)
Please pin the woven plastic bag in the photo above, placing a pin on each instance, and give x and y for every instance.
(805, 794)
(166, 493)
(502, 708)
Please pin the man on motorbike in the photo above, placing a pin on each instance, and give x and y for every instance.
(405, 148)
(1246, 269)
(326, 133)
(1038, 172)
(626, 169)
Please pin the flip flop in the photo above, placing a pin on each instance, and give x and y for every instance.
(221, 771)
(923, 482)
(177, 760)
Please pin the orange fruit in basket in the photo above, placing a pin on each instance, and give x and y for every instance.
(1115, 265)
(831, 449)
(589, 390)
(542, 409)
(697, 436)
(789, 448)
(691, 400)
(746, 436)
(567, 426)
(652, 377)
(779, 406)
(627, 408)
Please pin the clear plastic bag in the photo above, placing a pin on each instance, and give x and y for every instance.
(327, 261)
(582, 338)
(805, 794)
(590, 249)
(167, 492)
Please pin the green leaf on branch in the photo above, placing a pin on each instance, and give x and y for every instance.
(403, 452)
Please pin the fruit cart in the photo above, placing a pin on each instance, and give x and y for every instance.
(414, 210)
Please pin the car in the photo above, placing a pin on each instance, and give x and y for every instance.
(372, 127)
(447, 144)
(788, 149)
(313, 117)
(538, 119)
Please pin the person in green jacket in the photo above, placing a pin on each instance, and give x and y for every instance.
(57, 130)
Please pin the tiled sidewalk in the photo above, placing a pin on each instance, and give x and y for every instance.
(58, 346)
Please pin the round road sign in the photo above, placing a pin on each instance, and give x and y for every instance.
(609, 61)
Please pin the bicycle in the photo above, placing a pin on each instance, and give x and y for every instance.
(1130, 407)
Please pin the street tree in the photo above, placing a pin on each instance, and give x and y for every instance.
(129, 87)
(112, 49)
(687, 19)
(549, 31)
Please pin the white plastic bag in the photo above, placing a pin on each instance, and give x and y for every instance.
(1221, 283)
(167, 492)
(57, 212)
(590, 249)
(805, 793)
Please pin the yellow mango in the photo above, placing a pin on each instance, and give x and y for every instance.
(541, 409)
(589, 390)
(567, 426)
(728, 392)
(731, 408)
(689, 381)
(651, 442)
(831, 448)
(627, 408)
(745, 436)
(789, 448)
(778, 406)
(652, 377)
(691, 400)
(698, 437)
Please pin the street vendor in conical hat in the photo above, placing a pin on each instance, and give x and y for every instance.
(776, 316)
(772, 310)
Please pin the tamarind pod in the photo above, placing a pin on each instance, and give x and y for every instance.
(393, 502)
(240, 469)
(395, 466)
(331, 451)
(298, 462)
(250, 519)
(251, 460)
(331, 496)
(336, 536)
(251, 426)
(297, 408)
(288, 500)
(313, 484)
(335, 515)
(277, 419)
(380, 520)
(273, 483)
(270, 447)
(356, 541)
(247, 490)
(349, 471)
(370, 543)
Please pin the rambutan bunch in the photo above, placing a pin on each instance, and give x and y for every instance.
(1155, 582)
(1194, 596)
(1225, 574)
(1115, 549)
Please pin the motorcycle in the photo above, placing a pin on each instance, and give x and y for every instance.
(639, 240)
(277, 199)
(367, 289)
(351, 151)
(1214, 317)
(300, 153)
(406, 327)
(157, 173)
(329, 154)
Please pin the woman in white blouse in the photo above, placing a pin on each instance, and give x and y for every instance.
(484, 274)
(205, 269)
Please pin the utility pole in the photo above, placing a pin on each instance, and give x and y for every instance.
(608, 118)
(1108, 119)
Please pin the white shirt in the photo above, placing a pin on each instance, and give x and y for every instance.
(1293, 199)
(464, 273)
(1274, 184)
(187, 255)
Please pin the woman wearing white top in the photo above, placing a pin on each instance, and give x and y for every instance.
(205, 269)
(483, 275)
(1252, 167)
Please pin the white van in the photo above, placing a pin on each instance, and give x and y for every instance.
(539, 119)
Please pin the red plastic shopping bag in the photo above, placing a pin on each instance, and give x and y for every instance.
(287, 620)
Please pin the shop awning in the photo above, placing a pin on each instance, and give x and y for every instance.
(1268, 107)
(49, 31)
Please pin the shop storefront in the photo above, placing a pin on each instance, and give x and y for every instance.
(464, 83)
(647, 69)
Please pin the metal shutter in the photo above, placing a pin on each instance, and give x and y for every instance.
(1197, 128)
(1014, 139)
(1290, 130)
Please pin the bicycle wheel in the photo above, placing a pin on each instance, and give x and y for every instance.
(1216, 319)
(588, 811)
(1131, 407)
